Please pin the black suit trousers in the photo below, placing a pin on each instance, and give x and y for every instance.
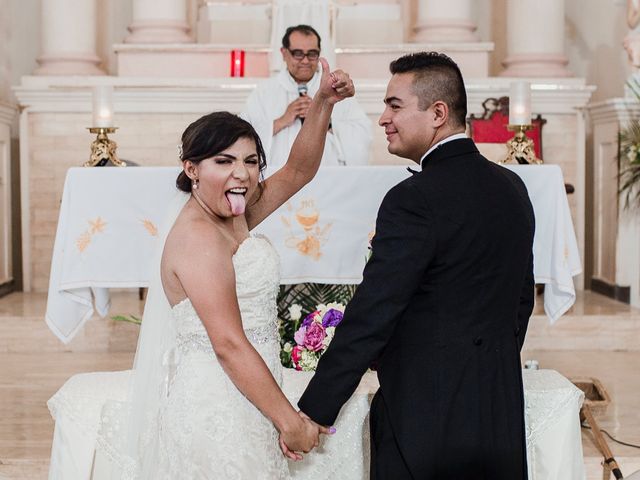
(386, 460)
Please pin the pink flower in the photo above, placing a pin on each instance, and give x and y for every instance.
(314, 336)
(299, 335)
(309, 318)
(295, 356)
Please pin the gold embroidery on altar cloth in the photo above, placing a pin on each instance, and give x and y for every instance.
(84, 239)
(150, 227)
(306, 234)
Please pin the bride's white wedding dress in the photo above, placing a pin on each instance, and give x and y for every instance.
(207, 428)
(177, 415)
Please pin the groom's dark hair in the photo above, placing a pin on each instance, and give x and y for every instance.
(210, 135)
(436, 77)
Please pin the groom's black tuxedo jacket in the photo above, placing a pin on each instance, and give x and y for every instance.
(442, 310)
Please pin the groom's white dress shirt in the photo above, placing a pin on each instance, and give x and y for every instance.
(455, 136)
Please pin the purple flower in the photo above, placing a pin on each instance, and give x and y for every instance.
(332, 318)
(309, 318)
(299, 335)
(314, 336)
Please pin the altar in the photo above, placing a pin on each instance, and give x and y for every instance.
(110, 218)
(84, 415)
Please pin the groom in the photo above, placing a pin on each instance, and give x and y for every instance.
(445, 298)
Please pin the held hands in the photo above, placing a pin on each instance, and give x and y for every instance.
(336, 85)
(304, 437)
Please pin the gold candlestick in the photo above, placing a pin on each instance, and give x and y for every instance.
(103, 149)
(520, 148)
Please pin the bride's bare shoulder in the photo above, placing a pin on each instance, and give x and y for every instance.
(194, 248)
(194, 237)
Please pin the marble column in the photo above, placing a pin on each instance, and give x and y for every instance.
(5, 52)
(535, 39)
(68, 38)
(445, 21)
(159, 21)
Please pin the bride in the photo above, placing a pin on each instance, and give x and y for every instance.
(206, 397)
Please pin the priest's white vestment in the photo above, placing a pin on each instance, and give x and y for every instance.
(347, 143)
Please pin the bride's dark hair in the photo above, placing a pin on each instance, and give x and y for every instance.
(210, 135)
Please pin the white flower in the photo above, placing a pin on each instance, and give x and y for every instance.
(308, 360)
(329, 331)
(287, 347)
(295, 311)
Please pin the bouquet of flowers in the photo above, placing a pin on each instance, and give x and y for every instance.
(311, 337)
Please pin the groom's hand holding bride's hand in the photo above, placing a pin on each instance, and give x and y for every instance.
(303, 438)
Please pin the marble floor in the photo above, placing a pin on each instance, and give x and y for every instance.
(598, 338)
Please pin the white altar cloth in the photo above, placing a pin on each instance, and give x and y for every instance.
(109, 219)
(552, 403)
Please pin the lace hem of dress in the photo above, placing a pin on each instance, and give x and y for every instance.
(111, 439)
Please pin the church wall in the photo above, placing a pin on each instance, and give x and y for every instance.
(113, 18)
(59, 141)
(594, 31)
(5, 51)
(23, 34)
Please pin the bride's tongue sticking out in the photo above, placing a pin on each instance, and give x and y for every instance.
(237, 202)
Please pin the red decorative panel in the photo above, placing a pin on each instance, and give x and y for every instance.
(491, 127)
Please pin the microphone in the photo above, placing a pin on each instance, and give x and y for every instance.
(302, 92)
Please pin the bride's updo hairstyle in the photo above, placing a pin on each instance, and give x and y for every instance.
(210, 135)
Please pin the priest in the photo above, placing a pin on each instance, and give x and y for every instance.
(278, 106)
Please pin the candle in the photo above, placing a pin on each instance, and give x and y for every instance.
(237, 63)
(103, 106)
(520, 103)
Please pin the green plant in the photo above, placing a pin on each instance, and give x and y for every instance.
(629, 154)
(127, 319)
(308, 295)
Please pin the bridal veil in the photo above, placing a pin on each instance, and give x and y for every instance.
(128, 433)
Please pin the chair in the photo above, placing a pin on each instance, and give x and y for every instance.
(491, 127)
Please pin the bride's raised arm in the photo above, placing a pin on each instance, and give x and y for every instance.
(306, 152)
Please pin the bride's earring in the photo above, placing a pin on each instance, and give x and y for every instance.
(194, 183)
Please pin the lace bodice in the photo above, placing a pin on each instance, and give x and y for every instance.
(257, 269)
(207, 427)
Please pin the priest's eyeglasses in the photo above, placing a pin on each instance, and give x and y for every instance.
(299, 54)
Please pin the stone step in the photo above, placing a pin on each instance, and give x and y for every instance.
(27, 335)
(584, 332)
(595, 322)
(593, 466)
(23, 328)
(198, 60)
(38, 469)
(24, 469)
